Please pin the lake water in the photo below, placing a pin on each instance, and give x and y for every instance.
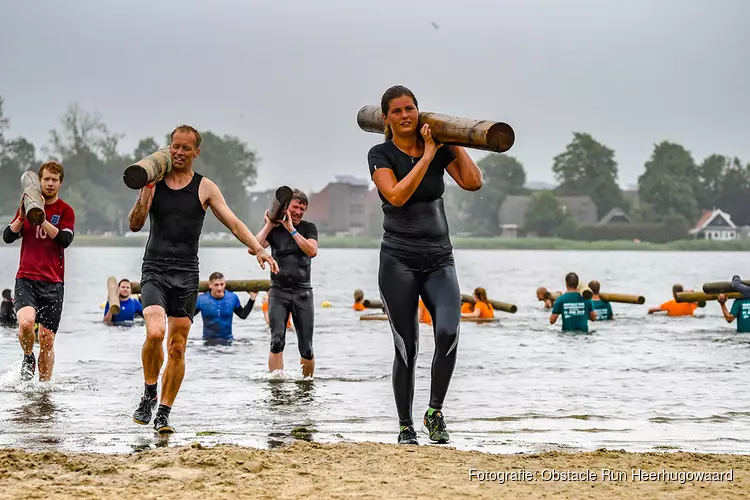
(639, 383)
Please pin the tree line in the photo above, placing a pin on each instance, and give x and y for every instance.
(674, 187)
(93, 184)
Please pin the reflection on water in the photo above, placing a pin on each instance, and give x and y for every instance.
(639, 383)
(37, 408)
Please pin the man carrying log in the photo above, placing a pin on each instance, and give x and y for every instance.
(218, 307)
(176, 206)
(129, 307)
(41, 273)
(294, 242)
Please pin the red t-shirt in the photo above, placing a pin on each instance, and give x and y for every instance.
(42, 258)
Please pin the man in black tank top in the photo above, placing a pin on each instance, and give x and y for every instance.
(176, 206)
(416, 255)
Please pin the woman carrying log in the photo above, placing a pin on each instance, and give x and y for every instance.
(416, 255)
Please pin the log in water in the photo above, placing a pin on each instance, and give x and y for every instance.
(232, 286)
(622, 298)
(383, 317)
(372, 304)
(148, 170)
(485, 135)
(33, 200)
(496, 304)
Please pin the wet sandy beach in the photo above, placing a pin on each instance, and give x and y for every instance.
(368, 470)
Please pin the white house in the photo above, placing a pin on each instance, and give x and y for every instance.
(715, 225)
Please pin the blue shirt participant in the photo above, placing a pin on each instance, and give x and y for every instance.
(218, 307)
(740, 311)
(129, 307)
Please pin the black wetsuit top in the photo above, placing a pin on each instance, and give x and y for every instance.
(294, 264)
(420, 224)
(176, 218)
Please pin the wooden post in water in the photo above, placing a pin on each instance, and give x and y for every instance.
(721, 287)
(372, 304)
(113, 295)
(148, 170)
(704, 297)
(484, 135)
(496, 304)
(232, 286)
(623, 298)
(33, 200)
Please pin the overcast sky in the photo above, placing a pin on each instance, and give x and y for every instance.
(288, 77)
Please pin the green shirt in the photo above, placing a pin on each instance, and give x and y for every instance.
(741, 311)
(575, 311)
(602, 309)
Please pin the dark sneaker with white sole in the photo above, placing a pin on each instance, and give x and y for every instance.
(407, 436)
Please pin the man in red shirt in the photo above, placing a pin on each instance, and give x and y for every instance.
(41, 273)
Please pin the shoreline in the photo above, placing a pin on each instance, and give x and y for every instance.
(371, 470)
(463, 243)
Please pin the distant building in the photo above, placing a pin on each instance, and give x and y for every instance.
(615, 216)
(341, 208)
(513, 210)
(715, 225)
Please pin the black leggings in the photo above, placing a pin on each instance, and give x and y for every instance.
(300, 303)
(402, 281)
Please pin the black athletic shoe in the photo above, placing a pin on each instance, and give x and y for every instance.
(142, 414)
(436, 427)
(161, 424)
(28, 367)
(408, 436)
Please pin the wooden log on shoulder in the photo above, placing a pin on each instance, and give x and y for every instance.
(623, 298)
(33, 200)
(721, 287)
(485, 135)
(148, 170)
(496, 304)
(232, 286)
(704, 297)
(113, 295)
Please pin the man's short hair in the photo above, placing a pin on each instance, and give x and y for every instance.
(53, 167)
(595, 286)
(677, 289)
(6, 293)
(300, 196)
(215, 276)
(124, 280)
(187, 128)
(571, 280)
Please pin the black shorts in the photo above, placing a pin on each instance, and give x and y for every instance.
(46, 299)
(175, 291)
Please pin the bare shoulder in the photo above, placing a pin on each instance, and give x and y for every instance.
(207, 190)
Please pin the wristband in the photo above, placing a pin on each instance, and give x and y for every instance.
(294, 232)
